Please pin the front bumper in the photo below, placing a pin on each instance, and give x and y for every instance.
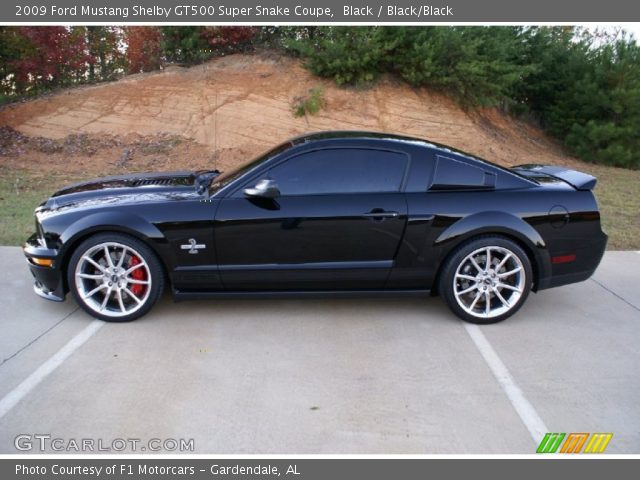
(48, 280)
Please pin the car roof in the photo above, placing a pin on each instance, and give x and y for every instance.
(381, 136)
(354, 134)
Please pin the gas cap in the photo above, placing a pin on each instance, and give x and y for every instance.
(558, 216)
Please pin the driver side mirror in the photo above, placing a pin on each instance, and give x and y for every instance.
(265, 188)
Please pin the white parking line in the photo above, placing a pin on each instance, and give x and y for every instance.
(523, 407)
(14, 396)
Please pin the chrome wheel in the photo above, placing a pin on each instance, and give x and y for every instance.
(113, 279)
(489, 282)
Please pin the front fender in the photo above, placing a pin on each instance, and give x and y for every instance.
(123, 222)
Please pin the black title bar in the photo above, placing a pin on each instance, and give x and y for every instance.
(316, 469)
(316, 11)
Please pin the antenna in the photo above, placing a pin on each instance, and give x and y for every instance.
(215, 133)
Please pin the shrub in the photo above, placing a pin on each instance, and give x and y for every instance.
(348, 55)
(310, 104)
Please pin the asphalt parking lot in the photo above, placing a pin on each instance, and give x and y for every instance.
(326, 376)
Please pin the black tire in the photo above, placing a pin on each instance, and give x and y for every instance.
(512, 290)
(131, 263)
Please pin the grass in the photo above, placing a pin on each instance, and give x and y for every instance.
(618, 194)
(310, 104)
(20, 194)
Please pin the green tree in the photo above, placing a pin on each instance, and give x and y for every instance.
(348, 55)
(477, 65)
(586, 93)
(10, 49)
(103, 42)
(184, 44)
(605, 123)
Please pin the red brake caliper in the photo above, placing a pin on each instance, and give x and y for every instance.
(137, 274)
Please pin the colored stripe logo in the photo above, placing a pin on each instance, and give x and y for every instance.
(598, 442)
(573, 442)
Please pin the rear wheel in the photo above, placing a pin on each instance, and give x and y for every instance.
(115, 277)
(486, 280)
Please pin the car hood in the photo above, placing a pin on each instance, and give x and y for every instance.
(131, 188)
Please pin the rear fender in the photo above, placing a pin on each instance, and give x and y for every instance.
(502, 223)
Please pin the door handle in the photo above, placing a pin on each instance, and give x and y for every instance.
(379, 213)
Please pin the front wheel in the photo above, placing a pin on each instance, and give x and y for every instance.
(115, 277)
(486, 280)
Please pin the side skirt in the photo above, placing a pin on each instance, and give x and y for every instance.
(180, 296)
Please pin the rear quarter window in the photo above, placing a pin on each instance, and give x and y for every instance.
(452, 174)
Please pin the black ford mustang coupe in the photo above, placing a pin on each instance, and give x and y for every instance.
(349, 213)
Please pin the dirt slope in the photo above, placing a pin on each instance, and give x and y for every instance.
(225, 112)
(234, 107)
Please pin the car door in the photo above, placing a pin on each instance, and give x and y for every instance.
(336, 223)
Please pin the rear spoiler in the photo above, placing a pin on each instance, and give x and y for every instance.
(578, 180)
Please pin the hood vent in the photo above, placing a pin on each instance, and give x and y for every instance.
(151, 181)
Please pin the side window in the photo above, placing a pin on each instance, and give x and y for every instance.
(451, 174)
(341, 170)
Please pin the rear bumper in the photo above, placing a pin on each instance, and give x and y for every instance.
(587, 259)
(48, 281)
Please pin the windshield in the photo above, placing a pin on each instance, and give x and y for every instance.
(226, 178)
